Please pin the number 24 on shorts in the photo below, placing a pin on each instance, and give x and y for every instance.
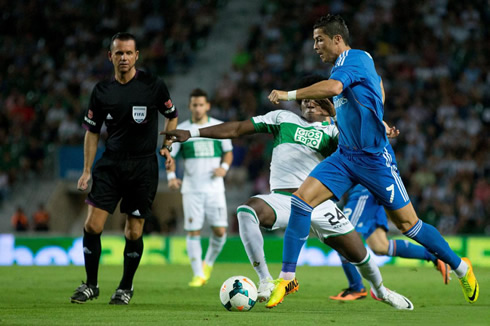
(334, 220)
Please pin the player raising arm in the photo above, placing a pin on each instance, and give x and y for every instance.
(300, 143)
(362, 156)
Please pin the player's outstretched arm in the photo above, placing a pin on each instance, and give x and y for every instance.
(320, 90)
(224, 130)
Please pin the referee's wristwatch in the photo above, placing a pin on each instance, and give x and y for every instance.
(168, 147)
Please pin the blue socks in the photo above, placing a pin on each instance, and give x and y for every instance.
(353, 276)
(430, 238)
(406, 249)
(296, 233)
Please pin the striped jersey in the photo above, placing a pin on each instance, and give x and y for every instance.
(201, 157)
(360, 105)
(299, 146)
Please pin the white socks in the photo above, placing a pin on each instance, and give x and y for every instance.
(253, 240)
(370, 271)
(462, 269)
(288, 276)
(194, 251)
(215, 246)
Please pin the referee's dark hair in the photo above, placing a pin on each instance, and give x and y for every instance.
(333, 25)
(123, 36)
(197, 92)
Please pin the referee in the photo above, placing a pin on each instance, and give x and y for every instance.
(129, 105)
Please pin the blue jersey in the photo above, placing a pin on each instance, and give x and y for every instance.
(360, 105)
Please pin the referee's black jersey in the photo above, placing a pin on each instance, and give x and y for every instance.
(130, 112)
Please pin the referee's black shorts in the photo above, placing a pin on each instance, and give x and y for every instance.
(134, 179)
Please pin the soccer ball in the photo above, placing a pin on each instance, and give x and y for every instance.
(238, 293)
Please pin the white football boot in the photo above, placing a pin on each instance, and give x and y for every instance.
(265, 289)
(395, 300)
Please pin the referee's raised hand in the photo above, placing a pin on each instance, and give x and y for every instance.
(176, 135)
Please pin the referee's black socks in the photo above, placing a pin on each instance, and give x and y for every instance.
(91, 253)
(132, 256)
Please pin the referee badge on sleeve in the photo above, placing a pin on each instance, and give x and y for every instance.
(139, 113)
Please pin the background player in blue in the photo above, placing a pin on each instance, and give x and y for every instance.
(362, 157)
(369, 219)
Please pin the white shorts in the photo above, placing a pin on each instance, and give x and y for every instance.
(327, 219)
(201, 206)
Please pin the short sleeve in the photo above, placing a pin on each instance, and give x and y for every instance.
(268, 123)
(94, 117)
(175, 149)
(349, 69)
(166, 107)
(226, 145)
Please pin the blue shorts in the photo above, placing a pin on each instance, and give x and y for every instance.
(366, 214)
(345, 168)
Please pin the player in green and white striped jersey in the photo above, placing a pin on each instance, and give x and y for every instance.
(300, 143)
(206, 162)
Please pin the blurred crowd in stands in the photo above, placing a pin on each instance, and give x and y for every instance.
(433, 56)
(53, 52)
(38, 222)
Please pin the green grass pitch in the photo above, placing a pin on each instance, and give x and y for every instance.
(41, 296)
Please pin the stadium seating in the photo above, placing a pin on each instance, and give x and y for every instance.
(431, 56)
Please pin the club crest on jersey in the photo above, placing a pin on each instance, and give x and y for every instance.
(309, 137)
(139, 113)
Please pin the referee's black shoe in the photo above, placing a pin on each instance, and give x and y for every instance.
(85, 292)
(121, 297)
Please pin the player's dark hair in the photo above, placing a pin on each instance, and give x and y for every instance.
(123, 36)
(313, 79)
(309, 80)
(199, 92)
(333, 25)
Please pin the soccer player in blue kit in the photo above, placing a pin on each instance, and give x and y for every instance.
(370, 220)
(362, 157)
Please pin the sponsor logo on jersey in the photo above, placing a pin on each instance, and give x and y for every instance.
(109, 117)
(338, 101)
(169, 104)
(90, 122)
(90, 114)
(203, 148)
(308, 137)
(139, 113)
